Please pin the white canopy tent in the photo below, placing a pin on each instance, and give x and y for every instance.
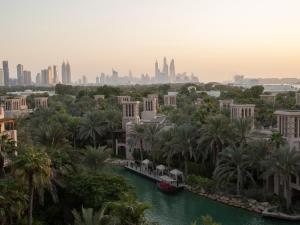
(176, 173)
(146, 162)
(160, 167)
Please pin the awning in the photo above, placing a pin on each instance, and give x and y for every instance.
(176, 172)
(161, 167)
(146, 161)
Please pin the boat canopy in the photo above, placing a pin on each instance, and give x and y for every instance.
(146, 162)
(160, 167)
(176, 172)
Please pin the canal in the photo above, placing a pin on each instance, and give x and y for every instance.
(185, 207)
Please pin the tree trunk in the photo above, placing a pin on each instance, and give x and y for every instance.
(287, 193)
(30, 194)
(141, 150)
(94, 140)
(238, 181)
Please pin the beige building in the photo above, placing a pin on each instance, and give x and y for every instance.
(122, 99)
(15, 106)
(40, 102)
(149, 108)
(131, 112)
(170, 99)
(269, 99)
(225, 103)
(242, 111)
(7, 126)
(288, 125)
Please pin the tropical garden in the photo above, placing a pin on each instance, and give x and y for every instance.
(57, 173)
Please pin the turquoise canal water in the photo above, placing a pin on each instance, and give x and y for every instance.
(185, 207)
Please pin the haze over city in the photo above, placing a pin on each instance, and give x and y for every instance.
(212, 39)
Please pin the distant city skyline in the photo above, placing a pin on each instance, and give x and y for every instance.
(212, 39)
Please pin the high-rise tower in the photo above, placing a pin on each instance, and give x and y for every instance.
(20, 74)
(63, 73)
(166, 68)
(55, 75)
(156, 70)
(5, 73)
(172, 71)
(68, 73)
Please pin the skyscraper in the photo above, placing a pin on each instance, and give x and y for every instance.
(166, 68)
(68, 73)
(156, 70)
(44, 74)
(38, 79)
(172, 71)
(55, 75)
(20, 74)
(49, 76)
(1, 77)
(84, 79)
(6, 73)
(27, 77)
(63, 73)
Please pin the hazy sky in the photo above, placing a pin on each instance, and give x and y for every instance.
(215, 39)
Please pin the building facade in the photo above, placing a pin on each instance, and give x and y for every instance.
(40, 102)
(5, 73)
(149, 108)
(15, 106)
(131, 112)
(170, 99)
(242, 111)
(225, 104)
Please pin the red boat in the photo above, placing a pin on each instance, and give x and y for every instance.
(167, 184)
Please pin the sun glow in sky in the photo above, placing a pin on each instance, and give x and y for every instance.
(215, 39)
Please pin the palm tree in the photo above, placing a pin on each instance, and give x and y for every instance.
(7, 147)
(137, 135)
(128, 211)
(152, 132)
(89, 217)
(283, 162)
(94, 158)
(277, 140)
(214, 135)
(90, 127)
(233, 164)
(242, 129)
(51, 136)
(34, 167)
(13, 201)
(165, 142)
(185, 142)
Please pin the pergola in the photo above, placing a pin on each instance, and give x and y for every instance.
(146, 163)
(160, 169)
(176, 174)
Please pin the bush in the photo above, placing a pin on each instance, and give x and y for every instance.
(201, 183)
(255, 193)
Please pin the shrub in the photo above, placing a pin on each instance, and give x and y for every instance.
(201, 183)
